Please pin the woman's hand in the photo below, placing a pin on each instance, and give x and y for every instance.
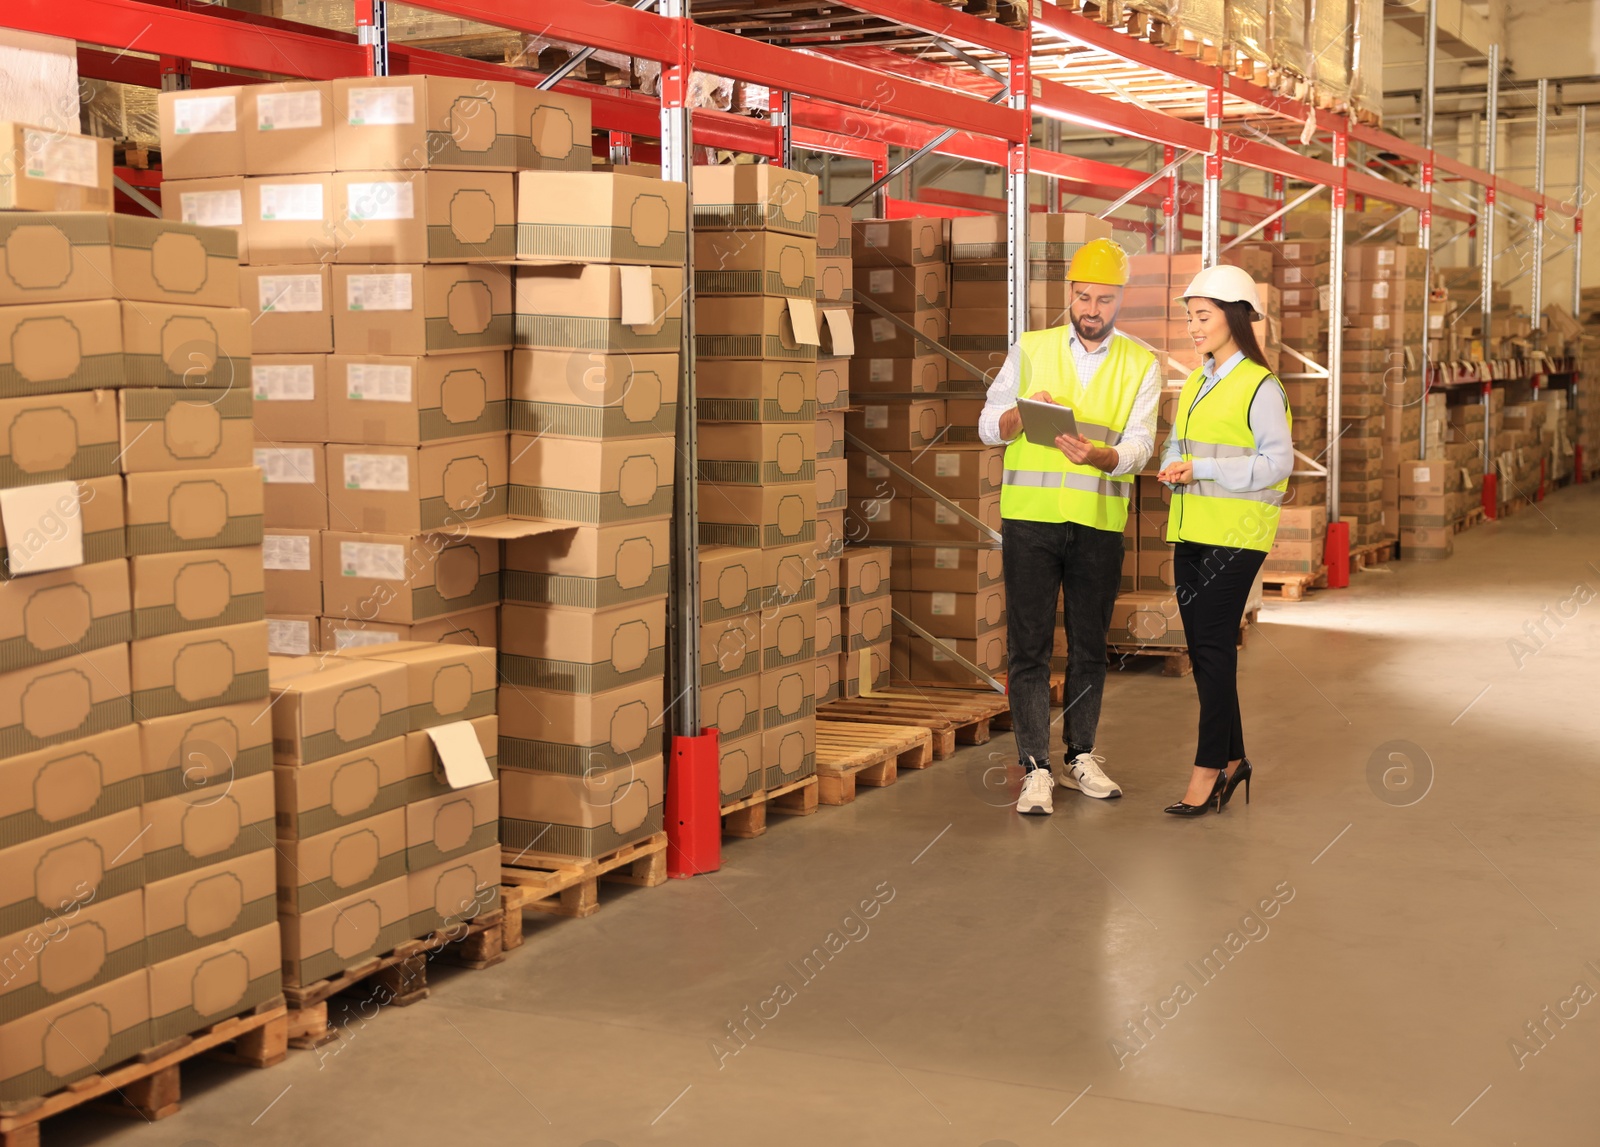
(1177, 474)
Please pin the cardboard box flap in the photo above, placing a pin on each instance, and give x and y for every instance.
(841, 332)
(638, 308)
(803, 316)
(460, 762)
(47, 539)
(511, 530)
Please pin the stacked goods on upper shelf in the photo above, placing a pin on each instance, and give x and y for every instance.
(756, 342)
(387, 803)
(594, 408)
(836, 296)
(137, 771)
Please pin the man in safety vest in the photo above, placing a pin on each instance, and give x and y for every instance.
(1063, 507)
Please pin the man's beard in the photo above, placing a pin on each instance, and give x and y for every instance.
(1100, 326)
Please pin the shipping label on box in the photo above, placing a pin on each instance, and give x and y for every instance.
(417, 216)
(577, 734)
(202, 132)
(599, 217)
(290, 392)
(287, 127)
(413, 400)
(403, 579)
(290, 219)
(407, 490)
(291, 308)
(416, 309)
(404, 123)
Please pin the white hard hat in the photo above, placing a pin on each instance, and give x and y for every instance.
(1226, 284)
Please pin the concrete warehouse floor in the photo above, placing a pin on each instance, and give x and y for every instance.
(1415, 930)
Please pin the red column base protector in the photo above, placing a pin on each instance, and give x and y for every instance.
(1491, 496)
(1336, 554)
(694, 806)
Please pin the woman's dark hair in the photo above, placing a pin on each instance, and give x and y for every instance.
(1244, 335)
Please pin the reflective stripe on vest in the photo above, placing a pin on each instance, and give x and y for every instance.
(1040, 484)
(1217, 425)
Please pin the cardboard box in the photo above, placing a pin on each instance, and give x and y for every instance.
(828, 687)
(599, 217)
(55, 614)
(740, 772)
(185, 347)
(788, 694)
(448, 896)
(961, 471)
(788, 635)
(286, 128)
(427, 775)
(757, 327)
(552, 130)
(345, 706)
(730, 648)
(580, 395)
(62, 700)
(408, 123)
(927, 373)
(313, 870)
(67, 785)
(325, 941)
(70, 953)
(290, 307)
(344, 790)
(182, 672)
(911, 425)
(293, 486)
(946, 614)
(833, 382)
(413, 400)
(94, 506)
(1156, 571)
(290, 392)
(757, 454)
(53, 170)
(868, 622)
(175, 430)
(788, 575)
(580, 650)
(879, 336)
(599, 308)
(59, 347)
(920, 661)
(831, 536)
(754, 391)
(1427, 543)
(213, 202)
(111, 1023)
(404, 579)
(866, 477)
(757, 516)
(746, 197)
(409, 489)
(830, 633)
(591, 483)
(834, 232)
(202, 906)
(835, 282)
(475, 627)
(1424, 478)
(754, 263)
(932, 521)
(940, 569)
(1147, 619)
(583, 816)
(217, 816)
(419, 216)
(832, 485)
(292, 565)
(926, 287)
(413, 309)
(196, 589)
(202, 132)
(900, 242)
(202, 754)
(45, 877)
(53, 438)
(865, 669)
(453, 825)
(830, 434)
(578, 734)
(864, 573)
(732, 581)
(73, 256)
(734, 707)
(225, 979)
(826, 573)
(789, 752)
(878, 520)
(590, 567)
(293, 219)
(447, 683)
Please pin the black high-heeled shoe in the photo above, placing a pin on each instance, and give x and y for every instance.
(1242, 773)
(1180, 809)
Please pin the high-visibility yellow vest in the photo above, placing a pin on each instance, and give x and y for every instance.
(1218, 426)
(1040, 484)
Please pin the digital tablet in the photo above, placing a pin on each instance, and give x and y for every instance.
(1042, 422)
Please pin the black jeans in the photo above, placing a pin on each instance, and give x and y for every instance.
(1213, 586)
(1041, 559)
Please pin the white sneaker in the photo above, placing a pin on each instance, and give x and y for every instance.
(1036, 788)
(1083, 773)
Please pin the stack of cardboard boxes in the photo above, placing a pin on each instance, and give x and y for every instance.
(835, 297)
(136, 861)
(756, 341)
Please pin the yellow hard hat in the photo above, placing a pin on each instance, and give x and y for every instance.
(1100, 261)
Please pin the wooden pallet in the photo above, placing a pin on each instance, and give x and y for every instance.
(851, 753)
(570, 886)
(1472, 517)
(1174, 661)
(398, 978)
(1292, 586)
(747, 818)
(951, 715)
(1372, 554)
(148, 1085)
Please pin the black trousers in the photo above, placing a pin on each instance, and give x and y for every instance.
(1041, 560)
(1213, 585)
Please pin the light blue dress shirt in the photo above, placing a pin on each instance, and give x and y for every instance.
(1273, 460)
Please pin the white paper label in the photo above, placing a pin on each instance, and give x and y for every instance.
(1385, 257)
(372, 106)
(383, 472)
(286, 552)
(880, 282)
(290, 294)
(292, 383)
(61, 158)
(44, 527)
(291, 202)
(1325, 296)
(212, 208)
(369, 382)
(875, 417)
(876, 469)
(460, 760)
(1422, 474)
(278, 111)
(947, 465)
(944, 605)
(201, 114)
(941, 655)
(944, 515)
(1380, 322)
(378, 292)
(1291, 275)
(356, 638)
(372, 559)
(282, 465)
(381, 201)
(881, 369)
(882, 330)
(946, 559)
(876, 234)
(292, 638)
(1380, 290)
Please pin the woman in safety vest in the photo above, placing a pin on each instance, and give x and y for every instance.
(1228, 462)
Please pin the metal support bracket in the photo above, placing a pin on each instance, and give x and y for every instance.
(934, 343)
(922, 487)
(938, 643)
